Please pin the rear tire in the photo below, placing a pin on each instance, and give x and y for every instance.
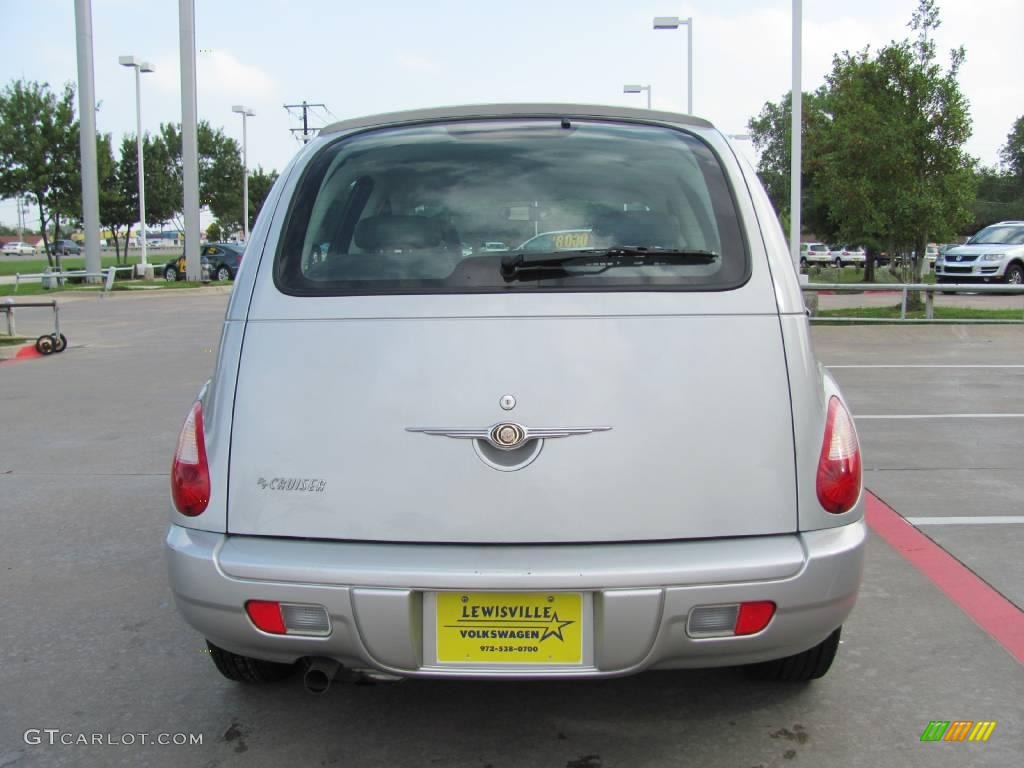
(801, 667)
(170, 274)
(223, 274)
(243, 669)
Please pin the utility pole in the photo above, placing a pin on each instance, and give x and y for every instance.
(305, 107)
(87, 137)
(189, 136)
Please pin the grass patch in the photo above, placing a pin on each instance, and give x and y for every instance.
(856, 275)
(35, 266)
(941, 313)
(158, 285)
(10, 341)
(36, 288)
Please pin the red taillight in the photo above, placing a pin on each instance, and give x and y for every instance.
(190, 473)
(839, 472)
(266, 615)
(754, 616)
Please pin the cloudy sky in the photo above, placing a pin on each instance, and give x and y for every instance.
(359, 58)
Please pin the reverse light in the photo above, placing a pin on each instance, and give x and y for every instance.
(706, 621)
(839, 466)
(288, 618)
(190, 472)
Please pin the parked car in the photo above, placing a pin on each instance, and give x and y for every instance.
(224, 259)
(494, 246)
(847, 255)
(814, 253)
(65, 248)
(517, 465)
(18, 249)
(995, 254)
(175, 268)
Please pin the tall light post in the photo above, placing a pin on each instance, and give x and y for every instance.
(796, 146)
(245, 112)
(139, 67)
(639, 89)
(674, 22)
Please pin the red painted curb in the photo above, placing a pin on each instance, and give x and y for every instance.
(26, 352)
(1003, 620)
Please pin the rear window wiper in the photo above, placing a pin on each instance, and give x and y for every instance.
(514, 266)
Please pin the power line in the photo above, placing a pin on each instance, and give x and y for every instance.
(304, 130)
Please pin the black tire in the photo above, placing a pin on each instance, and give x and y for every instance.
(170, 274)
(838, 263)
(801, 667)
(803, 262)
(1014, 275)
(223, 273)
(44, 345)
(243, 669)
(60, 343)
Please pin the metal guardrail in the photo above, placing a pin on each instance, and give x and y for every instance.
(929, 291)
(107, 274)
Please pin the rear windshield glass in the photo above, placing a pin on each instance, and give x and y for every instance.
(523, 205)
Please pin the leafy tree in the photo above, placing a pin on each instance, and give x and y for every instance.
(771, 132)
(260, 183)
(119, 194)
(39, 152)
(1012, 154)
(220, 172)
(999, 198)
(214, 233)
(894, 166)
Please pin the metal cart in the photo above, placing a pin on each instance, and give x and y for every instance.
(48, 343)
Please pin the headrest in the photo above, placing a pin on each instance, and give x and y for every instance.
(639, 228)
(386, 233)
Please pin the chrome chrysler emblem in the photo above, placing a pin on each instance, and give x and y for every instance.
(507, 435)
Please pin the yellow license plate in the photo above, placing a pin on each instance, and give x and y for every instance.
(510, 628)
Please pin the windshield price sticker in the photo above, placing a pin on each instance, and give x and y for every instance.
(525, 628)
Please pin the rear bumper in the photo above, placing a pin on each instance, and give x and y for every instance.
(638, 596)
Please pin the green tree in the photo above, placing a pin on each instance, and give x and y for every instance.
(894, 167)
(214, 233)
(220, 172)
(260, 183)
(119, 196)
(1012, 154)
(39, 152)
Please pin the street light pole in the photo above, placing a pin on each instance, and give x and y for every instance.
(87, 136)
(189, 136)
(139, 67)
(639, 89)
(797, 140)
(245, 112)
(674, 22)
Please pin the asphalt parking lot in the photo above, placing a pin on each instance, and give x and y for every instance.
(91, 642)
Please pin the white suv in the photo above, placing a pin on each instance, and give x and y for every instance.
(995, 254)
(814, 253)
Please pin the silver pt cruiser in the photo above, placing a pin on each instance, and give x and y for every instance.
(419, 456)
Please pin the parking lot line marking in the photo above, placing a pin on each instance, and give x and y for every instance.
(862, 416)
(1000, 618)
(980, 520)
(930, 365)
